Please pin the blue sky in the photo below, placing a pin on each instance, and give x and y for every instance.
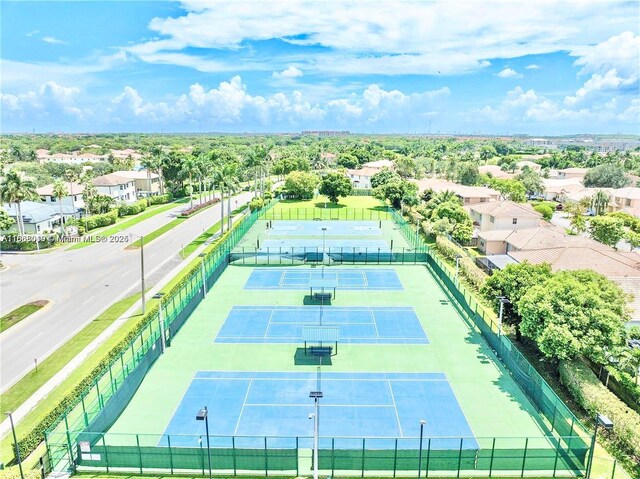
(550, 68)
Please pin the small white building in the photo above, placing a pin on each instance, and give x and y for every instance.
(147, 183)
(37, 217)
(503, 215)
(117, 187)
(361, 177)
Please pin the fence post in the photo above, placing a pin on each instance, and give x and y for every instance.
(426, 474)
(460, 456)
(395, 458)
(266, 459)
(139, 451)
(71, 461)
(201, 454)
(363, 443)
(233, 450)
(298, 459)
(555, 462)
(106, 454)
(524, 456)
(84, 413)
(493, 450)
(170, 453)
(333, 456)
(613, 470)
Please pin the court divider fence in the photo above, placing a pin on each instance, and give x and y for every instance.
(79, 438)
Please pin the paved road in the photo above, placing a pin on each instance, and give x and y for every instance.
(82, 283)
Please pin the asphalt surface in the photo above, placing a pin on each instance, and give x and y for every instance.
(82, 283)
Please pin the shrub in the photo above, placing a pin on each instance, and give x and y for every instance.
(98, 221)
(594, 397)
(159, 199)
(134, 208)
(469, 270)
(256, 204)
(448, 248)
(545, 211)
(196, 208)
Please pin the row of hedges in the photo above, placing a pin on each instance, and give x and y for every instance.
(159, 199)
(98, 221)
(623, 385)
(256, 204)
(468, 268)
(134, 208)
(196, 208)
(46, 241)
(594, 398)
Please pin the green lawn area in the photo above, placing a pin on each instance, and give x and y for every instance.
(158, 232)
(319, 202)
(18, 314)
(201, 239)
(24, 388)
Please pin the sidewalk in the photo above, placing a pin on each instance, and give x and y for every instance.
(76, 362)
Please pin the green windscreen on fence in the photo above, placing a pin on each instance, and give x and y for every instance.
(98, 407)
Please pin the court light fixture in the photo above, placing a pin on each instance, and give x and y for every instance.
(203, 415)
(422, 423)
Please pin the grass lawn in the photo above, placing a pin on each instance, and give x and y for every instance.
(368, 202)
(201, 239)
(24, 388)
(18, 314)
(156, 233)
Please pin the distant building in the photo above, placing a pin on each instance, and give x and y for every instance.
(469, 195)
(503, 215)
(146, 183)
(325, 133)
(74, 199)
(120, 188)
(37, 217)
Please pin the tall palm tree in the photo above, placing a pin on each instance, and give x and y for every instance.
(148, 162)
(89, 193)
(230, 181)
(60, 191)
(218, 178)
(159, 160)
(16, 189)
(189, 169)
(600, 202)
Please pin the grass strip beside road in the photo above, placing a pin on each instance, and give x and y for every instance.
(34, 380)
(18, 314)
(202, 239)
(156, 233)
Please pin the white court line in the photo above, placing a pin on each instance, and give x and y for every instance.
(323, 405)
(375, 324)
(412, 380)
(393, 398)
(235, 431)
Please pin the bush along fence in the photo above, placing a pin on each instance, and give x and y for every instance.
(77, 437)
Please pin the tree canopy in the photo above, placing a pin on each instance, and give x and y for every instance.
(606, 176)
(301, 185)
(334, 185)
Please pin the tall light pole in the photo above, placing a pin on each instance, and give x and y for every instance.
(142, 288)
(606, 424)
(458, 257)
(163, 343)
(15, 443)
(422, 423)
(204, 277)
(503, 300)
(203, 415)
(316, 395)
(324, 235)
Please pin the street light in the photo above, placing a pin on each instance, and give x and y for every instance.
(503, 300)
(203, 415)
(15, 443)
(422, 423)
(316, 395)
(141, 269)
(605, 423)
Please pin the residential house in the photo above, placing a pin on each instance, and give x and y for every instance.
(503, 215)
(37, 217)
(567, 173)
(361, 177)
(120, 188)
(146, 183)
(74, 199)
(625, 199)
(72, 158)
(468, 194)
(329, 158)
(530, 164)
(379, 164)
(555, 189)
(496, 172)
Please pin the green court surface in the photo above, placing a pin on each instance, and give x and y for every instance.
(490, 400)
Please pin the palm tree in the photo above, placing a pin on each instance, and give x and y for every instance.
(218, 178)
(159, 160)
(16, 189)
(600, 202)
(60, 191)
(89, 193)
(230, 181)
(189, 169)
(148, 162)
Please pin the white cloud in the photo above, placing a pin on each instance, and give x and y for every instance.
(53, 40)
(419, 37)
(509, 73)
(533, 66)
(33, 32)
(290, 72)
(49, 100)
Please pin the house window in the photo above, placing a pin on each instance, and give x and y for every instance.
(466, 200)
(492, 219)
(627, 202)
(483, 200)
(514, 221)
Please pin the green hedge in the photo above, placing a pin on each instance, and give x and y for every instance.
(594, 397)
(134, 208)
(448, 248)
(98, 221)
(28, 245)
(159, 199)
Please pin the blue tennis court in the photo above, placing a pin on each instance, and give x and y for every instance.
(354, 406)
(314, 245)
(358, 325)
(347, 279)
(331, 228)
